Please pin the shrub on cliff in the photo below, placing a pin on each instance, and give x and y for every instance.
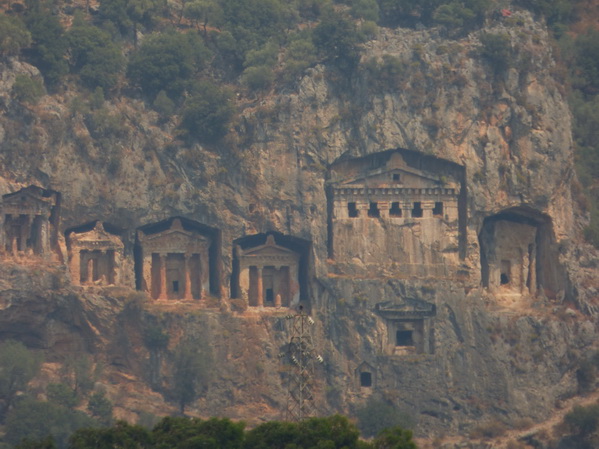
(377, 414)
(191, 372)
(13, 35)
(94, 56)
(337, 38)
(496, 49)
(207, 113)
(27, 89)
(37, 420)
(18, 365)
(166, 62)
(49, 45)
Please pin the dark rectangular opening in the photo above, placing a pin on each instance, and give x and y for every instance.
(373, 210)
(396, 177)
(269, 295)
(395, 210)
(352, 210)
(175, 286)
(404, 338)
(417, 210)
(365, 379)
(438, 209)
(506, 269)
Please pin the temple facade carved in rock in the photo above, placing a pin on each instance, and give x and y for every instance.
(268, 274)
(30, 221)
(175, 262)
(95, 256)
(409, 212)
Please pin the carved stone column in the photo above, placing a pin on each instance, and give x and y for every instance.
(384, 207)
(162, 294)
(75, 267)
(427, 209)
(24, 230)
(90, 271)
(259, 289)
(200, 275)
(188, 294)
(362, 208)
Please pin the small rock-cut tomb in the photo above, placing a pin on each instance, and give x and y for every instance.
(175, 262)
(29, 221)
(95, 256)
(268, 274)
(518, 255)
(408, 325)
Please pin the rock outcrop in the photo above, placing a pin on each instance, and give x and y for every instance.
(452, 308)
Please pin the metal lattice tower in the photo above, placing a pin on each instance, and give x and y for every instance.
(301, 358)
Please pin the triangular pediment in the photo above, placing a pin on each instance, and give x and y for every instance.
(270, 248)
(175, 232)
(395, 177)
(26, 198)
(98, 237)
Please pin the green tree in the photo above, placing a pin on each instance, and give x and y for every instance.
(191, 372)
(62, 394)
(48, 42)
(377, 414)
(44, 443)
(332, 432)
(337, 39)
(252, 23)
(121, 435)
(18, 365)
(27, 89)
(13, 35)
(407, 12)
(100, 407)
(204, 12)
(128, 15)
(166, 62)
(165, 108)
(365, 9)
(258, 78)
(217, 433)
(272, 435)
(94, 56)
(155, 339)
(394, 438)
(207, 113)
(36, 420)
(496, 48)
(79, 372)
(299, 55)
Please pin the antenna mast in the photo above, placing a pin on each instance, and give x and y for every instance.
(301, 356)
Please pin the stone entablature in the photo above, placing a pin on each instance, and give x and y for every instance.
(26, 221)
(95, 257)
(384, 192)
(268, 274)
(175, 263)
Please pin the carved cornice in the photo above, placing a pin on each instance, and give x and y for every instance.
(411, 308)
(394, 192)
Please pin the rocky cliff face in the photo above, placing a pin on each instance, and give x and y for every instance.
(498, 335)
